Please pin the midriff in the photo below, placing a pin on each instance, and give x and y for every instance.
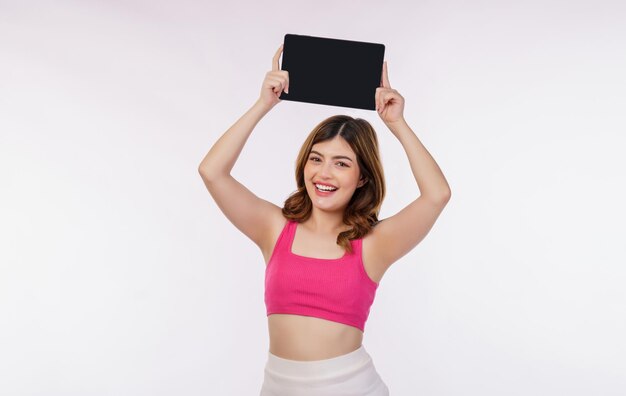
(306, 338)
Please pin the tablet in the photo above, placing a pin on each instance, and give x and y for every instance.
(332, 71)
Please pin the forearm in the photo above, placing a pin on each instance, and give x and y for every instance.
(430, 180)
(221, 158)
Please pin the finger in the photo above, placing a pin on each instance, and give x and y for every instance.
(286, 81)
(381, 98)
(275, 65)
(279, 85)
(385, 80)
(385, 98)
(283, 81)
(272, 82)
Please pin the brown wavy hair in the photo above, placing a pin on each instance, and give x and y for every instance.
(364, 206)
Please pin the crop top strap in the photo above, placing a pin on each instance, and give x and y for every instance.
(356, 248)
(290, 233)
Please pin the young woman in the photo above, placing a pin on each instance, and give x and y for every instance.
(325, 250)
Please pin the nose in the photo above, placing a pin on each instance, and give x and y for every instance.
(325, 170)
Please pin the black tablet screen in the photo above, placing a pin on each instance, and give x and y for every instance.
(331, 71)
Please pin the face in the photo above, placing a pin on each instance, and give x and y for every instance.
(333, 164)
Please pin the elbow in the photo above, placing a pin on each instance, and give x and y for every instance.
(445, 196)
(441, 198)
(209, 175)
(202, 170)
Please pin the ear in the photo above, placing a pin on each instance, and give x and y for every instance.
(361, 182)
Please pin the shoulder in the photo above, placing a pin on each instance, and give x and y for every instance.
(373, 263)
(277, 223)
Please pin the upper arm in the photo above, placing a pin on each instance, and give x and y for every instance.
(397, 235)
(253, 216)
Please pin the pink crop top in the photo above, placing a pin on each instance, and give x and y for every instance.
(338, 290)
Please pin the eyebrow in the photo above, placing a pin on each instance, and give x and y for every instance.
(335, 157)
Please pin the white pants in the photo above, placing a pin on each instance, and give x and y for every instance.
(351, 374)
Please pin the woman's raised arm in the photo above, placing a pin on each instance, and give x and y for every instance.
(397, 235)
(250, 214)
(221, 158)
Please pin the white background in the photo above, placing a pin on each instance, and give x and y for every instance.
(120, 276)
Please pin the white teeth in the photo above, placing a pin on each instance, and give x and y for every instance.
(324, 188)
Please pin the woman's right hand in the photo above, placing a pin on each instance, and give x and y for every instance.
(274, 83)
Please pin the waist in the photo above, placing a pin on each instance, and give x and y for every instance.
(305, 338)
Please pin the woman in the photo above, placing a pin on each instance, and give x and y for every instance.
(325, 250)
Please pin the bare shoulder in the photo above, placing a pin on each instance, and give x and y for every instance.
(373, 263)
(275, 226)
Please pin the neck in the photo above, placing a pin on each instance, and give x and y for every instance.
(326, 223)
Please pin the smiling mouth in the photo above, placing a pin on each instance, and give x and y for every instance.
(324, 188)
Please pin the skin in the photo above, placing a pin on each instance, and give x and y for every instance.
(308, 338)
(298, 337)
(344, 173)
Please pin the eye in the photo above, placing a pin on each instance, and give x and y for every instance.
(344, 164)
(313, 159)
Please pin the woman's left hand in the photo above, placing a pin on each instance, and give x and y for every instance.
(389, 103)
